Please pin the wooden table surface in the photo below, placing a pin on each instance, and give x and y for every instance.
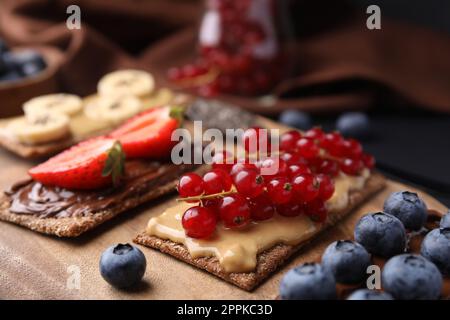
(36, 266)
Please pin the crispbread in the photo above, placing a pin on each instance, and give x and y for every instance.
(267, 261)
(74, 226)
(35, 151)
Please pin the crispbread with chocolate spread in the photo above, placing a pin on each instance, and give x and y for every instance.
(269, 260)
(66, 213)
(35, 151)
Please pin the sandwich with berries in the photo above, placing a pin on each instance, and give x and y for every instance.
(53, 122)
(99, 178)
(241, 222)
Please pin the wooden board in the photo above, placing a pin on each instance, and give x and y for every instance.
(35, 266)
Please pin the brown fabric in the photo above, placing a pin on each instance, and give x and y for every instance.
(339, 63)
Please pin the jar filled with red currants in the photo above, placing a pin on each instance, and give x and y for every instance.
(240, 49)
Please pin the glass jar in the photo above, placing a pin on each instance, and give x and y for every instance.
(240, 48)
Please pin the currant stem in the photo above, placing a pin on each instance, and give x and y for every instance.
(326, 156)
(207, 196)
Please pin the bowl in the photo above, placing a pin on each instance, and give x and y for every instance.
(14, 93)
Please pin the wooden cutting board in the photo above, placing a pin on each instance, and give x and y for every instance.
(35, 266)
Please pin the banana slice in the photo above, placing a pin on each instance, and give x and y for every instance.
(160, 98)
(126, 82)
(112, 109)
(37, 129)
(67, 104)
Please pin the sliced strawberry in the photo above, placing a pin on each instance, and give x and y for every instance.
(91, 164)
(148, 135)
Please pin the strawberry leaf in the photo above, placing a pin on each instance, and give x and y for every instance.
(115, 163)
(177, 113)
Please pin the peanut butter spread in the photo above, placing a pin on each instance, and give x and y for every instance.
(236, 249)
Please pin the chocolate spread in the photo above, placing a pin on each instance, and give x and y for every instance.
(33, 198)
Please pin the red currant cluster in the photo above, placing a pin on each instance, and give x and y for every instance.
(238, 191)
(230, 66)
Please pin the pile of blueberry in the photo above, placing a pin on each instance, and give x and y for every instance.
(349, 124)
(16, 65)
(405, 276)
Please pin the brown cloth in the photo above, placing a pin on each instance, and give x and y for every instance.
(339, 63)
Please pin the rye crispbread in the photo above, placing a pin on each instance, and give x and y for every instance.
(267, 261)
(35, 151)
(74, 226)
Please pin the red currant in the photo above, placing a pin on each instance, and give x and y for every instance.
(241, 64)
(273, 166)
(291, 158)
(216, 181)
(234, 211)
(326, 188)
(261, 208)
(190, 185)
(175, 74)
(226, 83)
(249, 183)
(291, 209)
(209, 90)
(240, 166)
(199, 222)
(351, 149)
(307, 148)
(192, 71)
(279, 190)
(298, 169)
(351, 166)
(317, 211)
(213, 205)
(306, 187)
(329, 167)
(289, 139)
(368, 160)
(315, 134)
(255, 140)
(223, 160)
(332, 142)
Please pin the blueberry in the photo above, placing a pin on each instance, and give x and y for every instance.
(445, 221)
(408, 207)
(353, 124)
(381, 234)
(122, 265)
(27, 62)
(10, 76)
(411, 277)
(366, 294)
(309, 281)
(296, 119)
(436, 248)
(347, 260)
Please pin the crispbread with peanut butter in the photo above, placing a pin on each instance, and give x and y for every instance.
(269, 260)
(35, 151)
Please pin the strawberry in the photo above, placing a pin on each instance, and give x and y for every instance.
(91, 164)
(148, 135)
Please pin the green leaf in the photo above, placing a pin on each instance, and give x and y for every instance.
(177, 113)
(115, 163)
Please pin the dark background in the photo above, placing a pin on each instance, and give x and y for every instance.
(410, 144)
(431, 13)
